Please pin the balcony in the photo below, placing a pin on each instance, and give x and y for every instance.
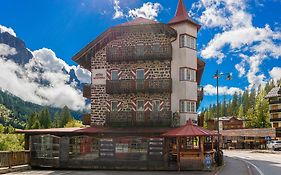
(275, 110)
(271, 102)
(87, 91)
(200, 93)
(275, 120)
(139, 118)
(135, 86)
(139, 52)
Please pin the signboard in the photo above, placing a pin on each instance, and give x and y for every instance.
(99, 76)
(208, 161)
(268, 138)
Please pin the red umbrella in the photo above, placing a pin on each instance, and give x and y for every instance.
(189, 130)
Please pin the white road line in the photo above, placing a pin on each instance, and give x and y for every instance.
(259, 170)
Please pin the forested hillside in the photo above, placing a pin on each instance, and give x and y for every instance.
(17, 110)
(250, 105)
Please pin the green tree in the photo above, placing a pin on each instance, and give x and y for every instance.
(262, 110)
(251, 118)
(56, 121)
(33, 121)
(73, 123)
(241, 112)
(2, 128)
(65, 116)
(234, 104)
(45, 118)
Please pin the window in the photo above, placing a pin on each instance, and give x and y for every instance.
(114, 106)
(140, 74)
(187, 41)
(140, 105)
(187, 106)
(114, 75)
(156, 105)
(187, 74)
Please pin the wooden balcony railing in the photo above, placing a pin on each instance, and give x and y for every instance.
(274, 110)
(139, 52)
(134, 86)
(87, 91)
(271, 102)
(139, 118)
(10, 158)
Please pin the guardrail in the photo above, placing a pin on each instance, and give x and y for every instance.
(14, 158)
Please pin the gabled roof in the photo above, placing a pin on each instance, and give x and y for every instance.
(275, 92)
(182, 15)
(189, 130)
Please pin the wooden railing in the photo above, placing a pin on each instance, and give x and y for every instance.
(139, 52)
(134, 86)
(138, 118)
(10, 158)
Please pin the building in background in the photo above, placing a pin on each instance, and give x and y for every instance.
(274, 98)
(226, 123)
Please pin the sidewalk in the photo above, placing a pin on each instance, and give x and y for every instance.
(234, 167)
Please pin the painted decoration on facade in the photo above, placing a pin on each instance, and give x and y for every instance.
(99, 76)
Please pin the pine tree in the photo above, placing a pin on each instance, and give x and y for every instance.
(241, 112)
(45, 118)
(56, 121)
(234, 104)
(65, 116)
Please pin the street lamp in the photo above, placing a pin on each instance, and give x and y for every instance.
(228, 77)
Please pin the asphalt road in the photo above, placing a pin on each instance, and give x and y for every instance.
(251, 163)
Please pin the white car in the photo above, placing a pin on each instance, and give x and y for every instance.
(274, 144)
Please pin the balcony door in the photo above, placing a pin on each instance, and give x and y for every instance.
(139, 79)
(140, 111)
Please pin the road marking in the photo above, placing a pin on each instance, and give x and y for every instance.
(259, 171)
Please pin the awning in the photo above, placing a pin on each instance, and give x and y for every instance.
(189, 130)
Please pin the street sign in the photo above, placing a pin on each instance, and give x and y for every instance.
(268, 138)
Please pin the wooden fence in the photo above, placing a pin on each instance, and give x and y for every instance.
(10, 158)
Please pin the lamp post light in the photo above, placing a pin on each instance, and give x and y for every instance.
(228, 77)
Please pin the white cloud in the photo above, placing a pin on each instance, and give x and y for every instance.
(240, 68)
(118, 11)
(223, 90)
(237, 34)
(6, 50)
(83, 75)
(7, 29)
(275, 73)
(22, 81)
(148, 10)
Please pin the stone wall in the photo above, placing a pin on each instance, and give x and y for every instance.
(155, 69)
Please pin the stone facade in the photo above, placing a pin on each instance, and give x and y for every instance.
(155, 69)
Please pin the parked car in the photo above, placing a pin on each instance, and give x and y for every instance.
(274, 144)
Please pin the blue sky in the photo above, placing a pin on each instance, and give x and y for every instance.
(236, 35)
